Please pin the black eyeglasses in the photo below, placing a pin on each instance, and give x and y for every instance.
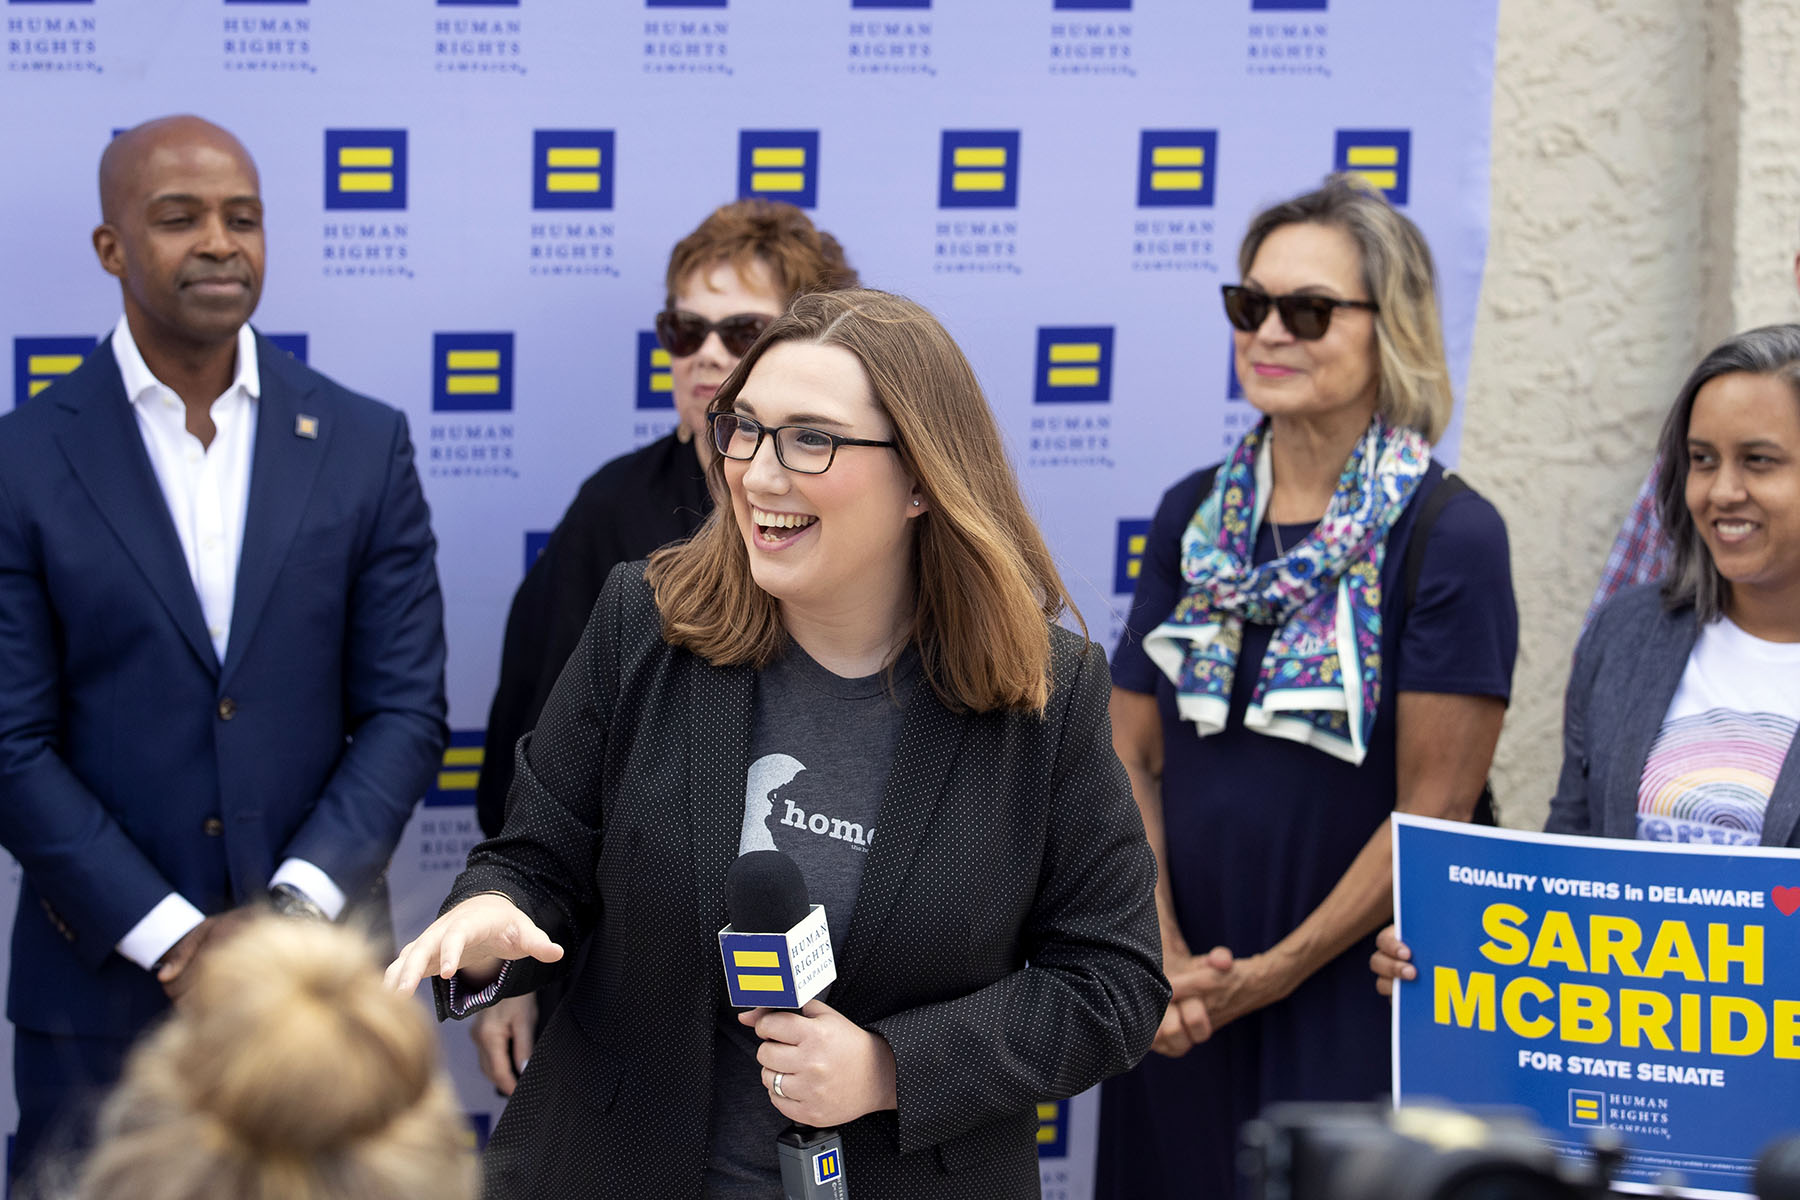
(1306, 317)
(797, 447)
(683, 333)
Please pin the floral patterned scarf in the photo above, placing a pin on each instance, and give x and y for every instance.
(1320, 679)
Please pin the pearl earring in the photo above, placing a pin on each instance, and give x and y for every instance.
(915, 504)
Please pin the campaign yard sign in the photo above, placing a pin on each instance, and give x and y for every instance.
(1646, 988)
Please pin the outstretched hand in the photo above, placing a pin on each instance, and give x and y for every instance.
(475, 937)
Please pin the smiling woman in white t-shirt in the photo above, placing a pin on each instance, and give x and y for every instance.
(1685, 696)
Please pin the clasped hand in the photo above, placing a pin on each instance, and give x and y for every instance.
(832, 1070)
(475, 937)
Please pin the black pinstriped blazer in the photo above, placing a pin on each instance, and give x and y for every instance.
(1006, 840)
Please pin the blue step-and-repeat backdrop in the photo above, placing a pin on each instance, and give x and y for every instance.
(470, 205)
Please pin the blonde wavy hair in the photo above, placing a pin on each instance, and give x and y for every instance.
(288, 1073)
(987, 585)
(1398, 273)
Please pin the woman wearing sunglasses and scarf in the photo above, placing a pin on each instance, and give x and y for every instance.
(726, 281)
(1281, 687)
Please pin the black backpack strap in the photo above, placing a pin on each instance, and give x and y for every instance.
(1448, 489)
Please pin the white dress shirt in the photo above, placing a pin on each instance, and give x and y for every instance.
(207, 489)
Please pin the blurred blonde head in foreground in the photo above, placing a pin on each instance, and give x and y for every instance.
(289, 1073)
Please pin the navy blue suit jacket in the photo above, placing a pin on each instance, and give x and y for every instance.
(134, 763)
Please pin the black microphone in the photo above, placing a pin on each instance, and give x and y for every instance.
(777, 953)
(765, 892)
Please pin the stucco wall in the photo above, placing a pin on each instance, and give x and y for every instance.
(1646, 187)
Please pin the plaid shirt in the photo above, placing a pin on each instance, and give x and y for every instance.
(1639, 554)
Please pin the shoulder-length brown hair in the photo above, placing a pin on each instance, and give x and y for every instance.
(1693, 578)
(987, 586)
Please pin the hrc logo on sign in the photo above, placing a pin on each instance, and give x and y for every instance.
(1053, 1129)
(1128, 559)
(471, 372)
(1587, 1108)
(536, 542)
(365, 168)
(655, 382)
(827, 1166)
(39, 362)
(572, 168)
(1074, 364)
(979, 168)
(1383, 157)
(779, 164)
(293, 343)
(1177, 168)
(461, 768)
(1234, 390)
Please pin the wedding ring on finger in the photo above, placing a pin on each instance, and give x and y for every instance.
(776, 1088)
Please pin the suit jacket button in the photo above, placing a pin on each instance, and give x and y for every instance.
(227, 709)
(212, 827)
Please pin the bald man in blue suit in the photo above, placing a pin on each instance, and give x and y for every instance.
(221, 635)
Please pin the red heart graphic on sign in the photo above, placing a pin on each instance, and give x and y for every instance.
(1787, 899)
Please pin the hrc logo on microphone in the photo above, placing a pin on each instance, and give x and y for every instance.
(827, 1165)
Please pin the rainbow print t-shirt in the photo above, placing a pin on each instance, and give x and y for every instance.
(1713, 766)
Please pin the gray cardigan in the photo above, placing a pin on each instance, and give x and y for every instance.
(1627, 668)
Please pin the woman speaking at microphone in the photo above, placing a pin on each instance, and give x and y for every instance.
(857, 662)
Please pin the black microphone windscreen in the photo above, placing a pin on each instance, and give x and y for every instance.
(765, 893)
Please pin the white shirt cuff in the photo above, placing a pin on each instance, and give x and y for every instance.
(316, 884)
(151, 938)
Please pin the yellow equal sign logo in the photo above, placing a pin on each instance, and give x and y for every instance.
(758, 961)
(460, 769)
(365, 168)
(1128, 558)
(979, 168)
(1062, 354)
(782, 164)
(1380, 157)
(472, 372)
(1177, 167)
(572, 168)
(1587, 1108)
(778, 169)
(1074, 364)
(39, 362)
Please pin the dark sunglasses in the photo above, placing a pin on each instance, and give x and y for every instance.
(1306, 317)
(683, 333)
